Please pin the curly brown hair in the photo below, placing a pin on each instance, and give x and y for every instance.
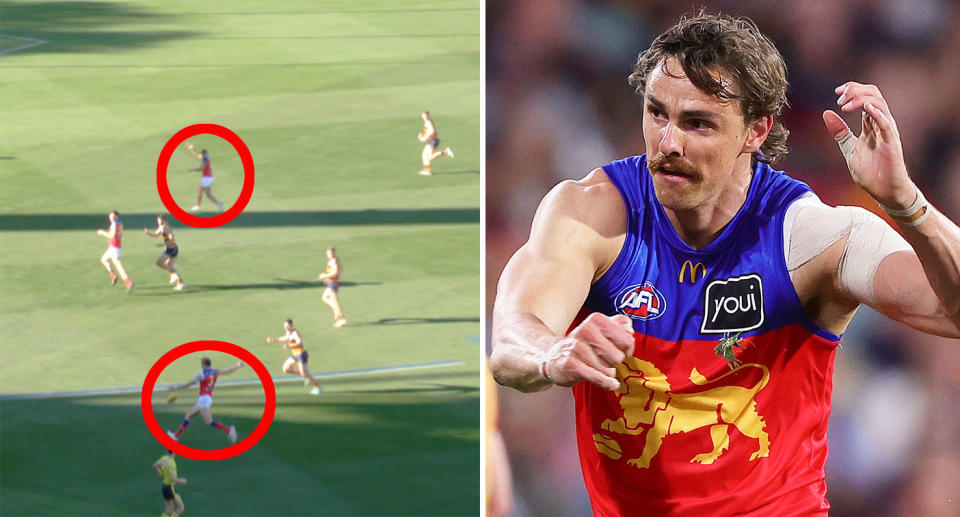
(707, 43)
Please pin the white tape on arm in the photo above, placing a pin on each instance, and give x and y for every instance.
(810, 227)
(871, 240)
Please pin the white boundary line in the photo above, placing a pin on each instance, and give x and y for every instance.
(33, 43)
(236, 382)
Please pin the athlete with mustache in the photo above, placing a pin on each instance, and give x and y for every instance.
(665, 366)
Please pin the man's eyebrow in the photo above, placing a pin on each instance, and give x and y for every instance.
(705, 114)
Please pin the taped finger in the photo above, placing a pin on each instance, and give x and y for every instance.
(847, 144)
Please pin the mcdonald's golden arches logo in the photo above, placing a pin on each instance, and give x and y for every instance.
(693, 271)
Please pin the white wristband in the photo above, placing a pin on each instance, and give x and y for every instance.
(914, 214)
(543, 368)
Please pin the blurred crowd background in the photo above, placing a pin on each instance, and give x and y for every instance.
(558, 105)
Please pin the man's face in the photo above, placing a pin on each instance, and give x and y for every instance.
(329, 254)
(287, 326)
(693, 139)
(112, 217)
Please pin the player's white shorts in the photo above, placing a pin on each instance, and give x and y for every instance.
(206, 181)
(204, 401)
(113, 253)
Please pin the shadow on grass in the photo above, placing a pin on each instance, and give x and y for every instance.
(282, 283)
(415, 452)
(413, 321)
(433, 388)
(266, 219)
(448, 173)
(77, 27)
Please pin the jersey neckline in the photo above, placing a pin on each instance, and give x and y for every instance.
(673, 238)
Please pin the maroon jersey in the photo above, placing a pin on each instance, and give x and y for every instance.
(207, 379)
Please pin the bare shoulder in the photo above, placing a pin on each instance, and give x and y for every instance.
(592, 201)
(585, 218)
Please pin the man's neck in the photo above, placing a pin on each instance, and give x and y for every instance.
(700, 226)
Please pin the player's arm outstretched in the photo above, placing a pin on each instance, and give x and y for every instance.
(921, 287)
(193, 152)
(196, 155)
(283, 339)
(231, 369)
(187, 384)
(576, 229)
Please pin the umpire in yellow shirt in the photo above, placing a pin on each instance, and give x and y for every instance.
(166, 468)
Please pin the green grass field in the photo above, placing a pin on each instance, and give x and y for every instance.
(327, 96)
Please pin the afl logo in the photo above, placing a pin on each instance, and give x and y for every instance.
(642, 302)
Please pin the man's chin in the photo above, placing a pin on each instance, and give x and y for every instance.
(675, 197)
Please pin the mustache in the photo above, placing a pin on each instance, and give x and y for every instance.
(678, 165)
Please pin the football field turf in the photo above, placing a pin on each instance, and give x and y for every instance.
(327, 97)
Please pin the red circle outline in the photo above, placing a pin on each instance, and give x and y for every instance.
(269, 390)
(246, 192)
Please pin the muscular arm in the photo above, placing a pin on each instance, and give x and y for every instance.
(920, 287)
(576, 234)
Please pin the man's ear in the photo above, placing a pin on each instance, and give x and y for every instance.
(757, 131)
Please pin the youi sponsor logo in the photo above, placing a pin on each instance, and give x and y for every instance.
(733, 305)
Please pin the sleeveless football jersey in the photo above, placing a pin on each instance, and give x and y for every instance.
(292, 345)
(331, 266)
(115, 241)
(208, 379)
(689, 433)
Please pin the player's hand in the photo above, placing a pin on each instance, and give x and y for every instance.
(239, 364)
(190, 146)
(875, 158)
(591, 352)
(269, 339)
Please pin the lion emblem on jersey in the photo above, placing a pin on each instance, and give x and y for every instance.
(649, 406)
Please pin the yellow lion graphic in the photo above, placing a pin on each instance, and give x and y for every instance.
(649, 405)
